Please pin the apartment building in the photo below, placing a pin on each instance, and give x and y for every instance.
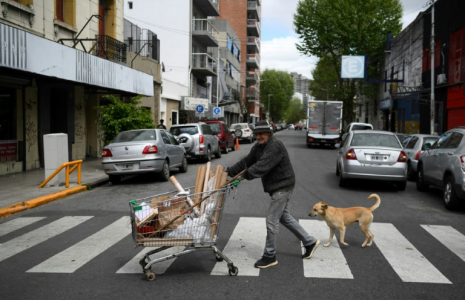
(301, 83)
(58, 58)
(187, 32)
(244, 18)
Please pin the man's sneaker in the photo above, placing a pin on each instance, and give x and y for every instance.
(266, 262)
(310, 249)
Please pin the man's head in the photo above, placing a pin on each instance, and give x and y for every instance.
(262, 132)
(161, 121)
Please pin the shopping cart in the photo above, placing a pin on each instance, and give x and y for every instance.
(179, 219)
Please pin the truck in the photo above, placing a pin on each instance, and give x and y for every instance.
(324, 123)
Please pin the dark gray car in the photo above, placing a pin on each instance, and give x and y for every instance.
(415, 146)
(443, 166)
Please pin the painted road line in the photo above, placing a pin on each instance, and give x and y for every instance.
(326, 262)
(71, 259)
(133, 267)
(244, 248)
(405, 259)
(39, 235)
(16, 224)
(449, 237)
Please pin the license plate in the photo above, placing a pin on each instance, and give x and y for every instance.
(378, 157)
(323, 141)
(188, 155)
(127, 167)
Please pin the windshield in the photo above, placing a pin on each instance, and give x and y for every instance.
(238, 126)
(185, 129)
(215, 127)
(375, 140)
(135, 135)
(361, 127)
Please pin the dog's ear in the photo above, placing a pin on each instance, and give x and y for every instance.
(324, 206)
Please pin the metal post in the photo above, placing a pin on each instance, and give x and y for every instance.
(218, 77)
(432, 68)
(269, 116)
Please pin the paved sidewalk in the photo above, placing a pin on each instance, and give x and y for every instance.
(22, 187)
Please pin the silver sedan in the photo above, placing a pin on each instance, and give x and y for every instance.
(372, 154)
(143, 151)
(417, 143)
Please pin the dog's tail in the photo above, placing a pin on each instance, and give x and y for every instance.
(377, 203)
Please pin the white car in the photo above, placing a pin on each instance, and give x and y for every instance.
(243, 132)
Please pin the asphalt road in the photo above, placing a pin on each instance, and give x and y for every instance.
(80, 247)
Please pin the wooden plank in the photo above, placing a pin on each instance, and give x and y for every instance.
(222, 182)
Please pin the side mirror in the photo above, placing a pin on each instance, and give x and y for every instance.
(426, 146)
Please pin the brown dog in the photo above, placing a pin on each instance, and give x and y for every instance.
(340, 218)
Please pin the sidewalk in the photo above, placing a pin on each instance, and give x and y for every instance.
(19, 188)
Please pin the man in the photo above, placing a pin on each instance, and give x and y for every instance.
(161, 126)
(268, 159)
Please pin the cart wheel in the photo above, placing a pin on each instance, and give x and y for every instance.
(233, 271)
(150, 276)
(218, 258)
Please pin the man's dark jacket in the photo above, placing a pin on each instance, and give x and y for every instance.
(270, 162)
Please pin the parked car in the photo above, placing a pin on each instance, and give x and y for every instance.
(143, 151)
(226, 137)
(273, 126)
(290, 126)
(402, 137)
(198, 139)
(416, 144)
(243, 132)
(298, 126)
(356, 126)
(369, 154)
(443, 166)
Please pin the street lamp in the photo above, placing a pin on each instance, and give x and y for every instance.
(269, 106)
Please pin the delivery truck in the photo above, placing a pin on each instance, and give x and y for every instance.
(324, 123)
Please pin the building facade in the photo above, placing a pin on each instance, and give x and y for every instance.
(55, 89)
(301, 83)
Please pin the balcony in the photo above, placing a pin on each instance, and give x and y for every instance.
(253, 44)
(253, 27)
(203, 64)
(204, 31)
(253, 60)
(253, 92)
(252, 77)
(208, 7)
(111, 49)
(253, 8)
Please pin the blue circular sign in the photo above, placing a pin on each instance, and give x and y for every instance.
(199, 109)
(217, 111)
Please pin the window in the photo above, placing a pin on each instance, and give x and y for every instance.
(165, 137)
(65, 11)
(442, 140)
(454, 141)
(60, 10)
(130, 4)
(412, 143)
(135, 135)
(172, 139)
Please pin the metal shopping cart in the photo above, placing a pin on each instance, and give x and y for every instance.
(179, 219)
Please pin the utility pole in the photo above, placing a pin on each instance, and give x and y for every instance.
(269, 116)
(432, 68)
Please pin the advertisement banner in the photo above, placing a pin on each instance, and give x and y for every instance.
(189, 103)
(8, 150)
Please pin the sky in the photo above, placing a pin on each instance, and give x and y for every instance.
(278, 38)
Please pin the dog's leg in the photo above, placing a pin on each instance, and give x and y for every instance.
(342, 232)
(331, 235)
(367, 235)
(372, 238)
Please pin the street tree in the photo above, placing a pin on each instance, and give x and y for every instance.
(328, 29)
(276, 90)
(118, 116)
(295, 112)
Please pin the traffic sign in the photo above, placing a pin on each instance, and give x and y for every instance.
(217, 111)
(199, 109)
(353, 66)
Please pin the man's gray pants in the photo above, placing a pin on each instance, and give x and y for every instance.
(278, 213)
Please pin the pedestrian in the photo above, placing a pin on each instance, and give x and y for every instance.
(268, 159)
(161, 126)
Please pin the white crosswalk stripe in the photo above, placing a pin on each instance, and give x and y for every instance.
(449, 237)
(405, 259)
(244, 247)
(39, 235)
(133, 266)
(18, 223)
(326, 262)
(81, 253)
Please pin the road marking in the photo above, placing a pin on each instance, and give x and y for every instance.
(18, 223)
(71, 259)
(133, 267)
(405, 259)
(244, 248)
(39, 235)
(449, 237)
(326, 262)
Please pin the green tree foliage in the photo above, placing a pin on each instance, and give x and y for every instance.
(280, 86)
(296, 111)
(328, 29)
(120, 116)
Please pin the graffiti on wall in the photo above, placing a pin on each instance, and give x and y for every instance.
(31, 127)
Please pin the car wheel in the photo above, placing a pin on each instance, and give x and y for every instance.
(218, 153)
(238, 133)
(421, 185)
(114, 179)
(165, 171)
(401, 185)
(451, 200)
(337, 170)
(208, 157)
(410, 173)
(342, 180)
(184, 165)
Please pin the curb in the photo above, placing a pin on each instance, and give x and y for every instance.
(4, 212)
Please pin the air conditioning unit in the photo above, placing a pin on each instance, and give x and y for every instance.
(442, 79)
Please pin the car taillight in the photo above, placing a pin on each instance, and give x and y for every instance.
(351, 154)
(402, 157)
(310, 139)
(462, 162)
(246, 130)
(201, 140)
(150, 149)
(106, 153)
(219, 135)
(417, 156)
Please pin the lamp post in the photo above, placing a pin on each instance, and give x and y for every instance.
(269, 106)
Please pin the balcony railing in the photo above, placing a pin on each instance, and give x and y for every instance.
(252, 92)
(253, 59)
(110, 48)
(255, 41)
(205, 62)
(254, 25)
(252, 76)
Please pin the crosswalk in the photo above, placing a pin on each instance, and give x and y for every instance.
(243, 247)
